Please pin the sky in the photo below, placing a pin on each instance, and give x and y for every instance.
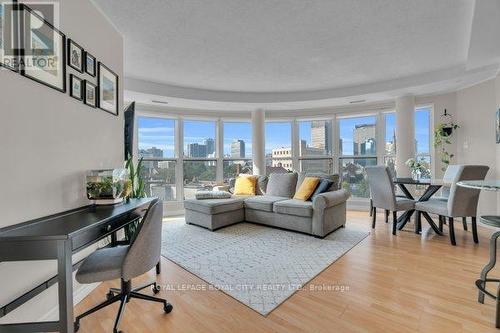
(422, 124)
(159, 133)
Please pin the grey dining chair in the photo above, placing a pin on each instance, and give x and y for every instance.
(384, 195)
(449, 177)
(126, 263)
(462, 202)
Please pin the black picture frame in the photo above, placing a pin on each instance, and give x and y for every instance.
(101, 68)
(82, 55)
(90, 71)
(24, 45)
(73, 78)
(94, 87)
(15, 33)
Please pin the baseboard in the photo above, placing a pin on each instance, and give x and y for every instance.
(78, 295)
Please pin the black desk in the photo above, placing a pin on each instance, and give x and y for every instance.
(433, 185)
(58, 237)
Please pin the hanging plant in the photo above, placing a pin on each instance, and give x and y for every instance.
(442, 139)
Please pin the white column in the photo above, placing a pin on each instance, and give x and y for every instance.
(258, 142)
(405, 133)
(219, 152)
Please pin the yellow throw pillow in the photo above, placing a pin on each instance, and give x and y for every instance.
(245, 185)
(307, 188)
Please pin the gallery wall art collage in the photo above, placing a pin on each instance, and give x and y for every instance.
(33, 47)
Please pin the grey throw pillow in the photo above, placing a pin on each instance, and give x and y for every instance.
(282, 184)
(261, 185)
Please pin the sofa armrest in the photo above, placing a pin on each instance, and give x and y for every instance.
(330, 199)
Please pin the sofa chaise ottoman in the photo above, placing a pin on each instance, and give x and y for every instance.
(214, 213)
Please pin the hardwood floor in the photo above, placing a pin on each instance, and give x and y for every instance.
(403, 283)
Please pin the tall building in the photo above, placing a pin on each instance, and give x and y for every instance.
(321, 135)
(210, 146)
(364, 139)
(196, 150)
(238, 149)
(279, 156)
(152, 152)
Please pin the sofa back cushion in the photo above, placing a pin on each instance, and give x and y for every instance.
(334, 178)
(282, 184)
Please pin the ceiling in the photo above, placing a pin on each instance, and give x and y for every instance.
(243, 54)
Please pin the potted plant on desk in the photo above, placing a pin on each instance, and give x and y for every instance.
(134, 190)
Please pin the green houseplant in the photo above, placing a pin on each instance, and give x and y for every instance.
(135, 189)
(442, 139)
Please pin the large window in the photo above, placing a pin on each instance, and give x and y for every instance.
(358, 149)
(156, 143)
(278, 147)
(200, 161)
(423, 138)
(182, 156)
(199, 139)
(237, 149)
(390, 141)
(315, 146)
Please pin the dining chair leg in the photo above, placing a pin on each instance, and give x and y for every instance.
(452, 231)
(371, 207)
(441, 218)
(386, 216)
(464, 222)
(474, 229)
(418, 222)
(394, 222)
(374, 217)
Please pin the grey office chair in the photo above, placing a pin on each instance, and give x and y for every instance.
(384, 195)
(125, 263)
(462, 202)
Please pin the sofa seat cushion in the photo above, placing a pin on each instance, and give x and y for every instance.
(214, 206)
(294, 207)
(263, 202)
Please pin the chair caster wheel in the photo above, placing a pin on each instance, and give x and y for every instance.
(116, 331)
(156, 290)
(168, 308)
(109, 295)
(76, 326)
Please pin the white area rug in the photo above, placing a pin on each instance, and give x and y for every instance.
(259, 266)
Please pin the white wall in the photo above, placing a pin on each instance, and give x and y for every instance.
(48, 141)
(476, 136)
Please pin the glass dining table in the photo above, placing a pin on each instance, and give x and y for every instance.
(432, 186)
(491, 221)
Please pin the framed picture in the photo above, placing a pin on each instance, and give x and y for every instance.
(43, 55)
(498, 126)
(90, 65)
(108, 89)
(9, 35)
(90, 94)
(75, 55)
(76, 87)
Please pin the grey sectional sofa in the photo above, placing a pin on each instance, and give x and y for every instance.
(275, 207)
